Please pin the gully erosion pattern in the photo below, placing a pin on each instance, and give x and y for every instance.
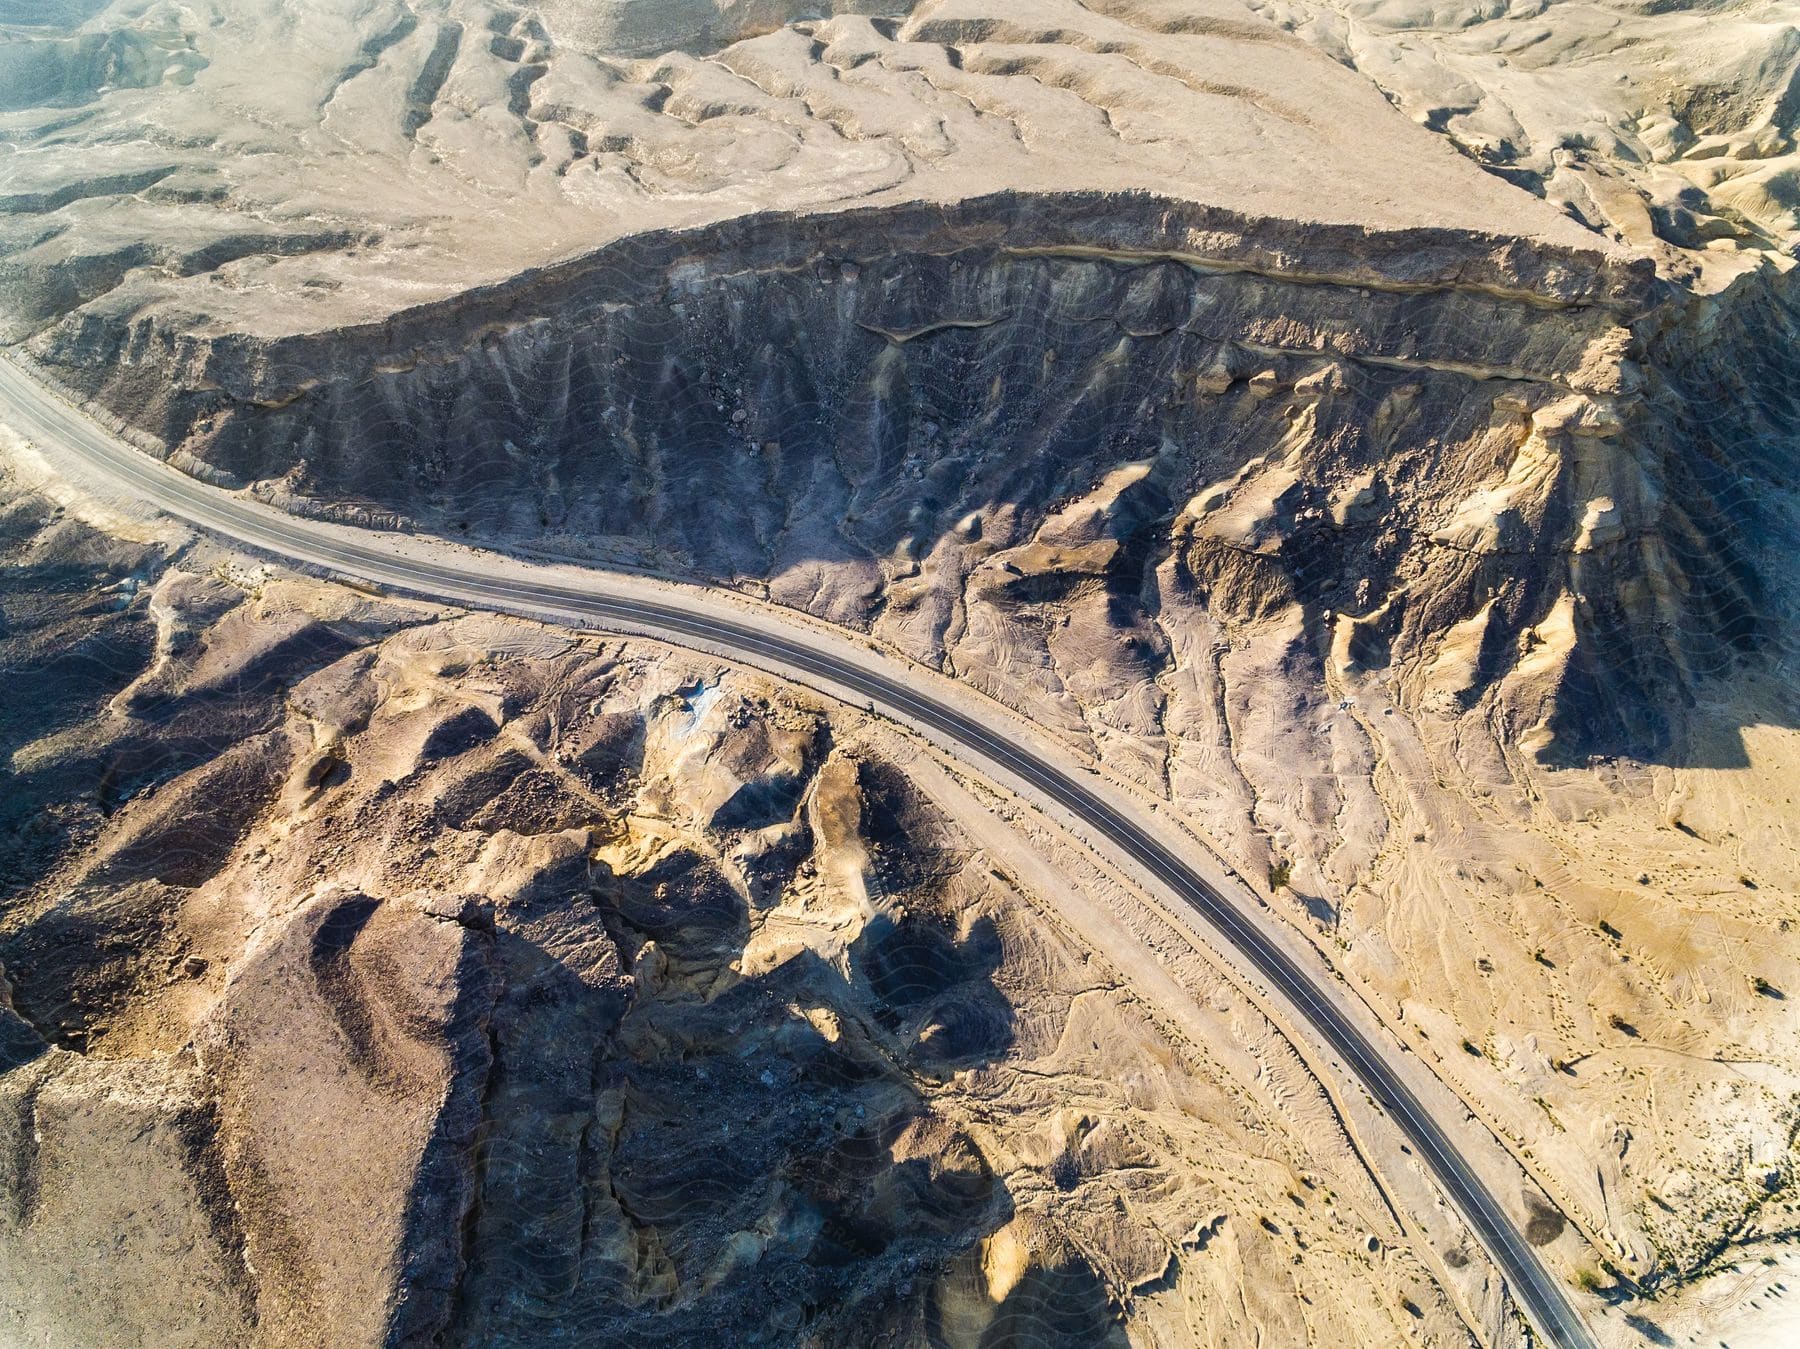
(1028, 403)
(934, 424)
(1364, 432)
(1538, 1292)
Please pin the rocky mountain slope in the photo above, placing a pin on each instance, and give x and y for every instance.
(1351, 372)
(1369, 427)
(374, 975)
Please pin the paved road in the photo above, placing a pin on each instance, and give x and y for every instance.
(32, 409)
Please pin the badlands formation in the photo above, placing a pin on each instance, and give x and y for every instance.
(1369, 428)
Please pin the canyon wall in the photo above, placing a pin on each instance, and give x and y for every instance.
(1449, 449)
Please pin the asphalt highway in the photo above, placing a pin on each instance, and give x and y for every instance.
(39, 414)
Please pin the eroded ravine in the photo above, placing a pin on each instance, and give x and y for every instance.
(1384, 515)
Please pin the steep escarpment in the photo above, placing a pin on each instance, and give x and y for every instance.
(1268, 406)
(810, 302)
(927, 422)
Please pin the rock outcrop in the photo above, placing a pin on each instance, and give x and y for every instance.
(1068, 305)
(1368, 427)
(1448, 449)
(461, 981)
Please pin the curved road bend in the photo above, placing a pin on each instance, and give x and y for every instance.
(36, 411)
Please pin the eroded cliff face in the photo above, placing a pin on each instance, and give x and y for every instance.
(378, 976)
(1341, 541)
(1428, 556)
(941, 425)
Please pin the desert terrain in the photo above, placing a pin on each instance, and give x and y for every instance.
(1365, 430)
(411, 974)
